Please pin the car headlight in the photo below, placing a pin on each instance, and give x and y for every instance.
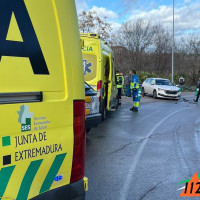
(159, 89)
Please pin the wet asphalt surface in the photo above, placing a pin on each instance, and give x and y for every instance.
(144, 155)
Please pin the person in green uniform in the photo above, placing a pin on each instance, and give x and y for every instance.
(120, 83)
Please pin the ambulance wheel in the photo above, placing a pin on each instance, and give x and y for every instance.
(154, 94)
(103, 112)
(143, 92)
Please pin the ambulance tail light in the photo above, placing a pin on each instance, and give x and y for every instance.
(99, 89)
(78, 165)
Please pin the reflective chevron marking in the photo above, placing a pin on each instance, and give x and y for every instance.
(5, 175)
(52, 172)
(28, 179)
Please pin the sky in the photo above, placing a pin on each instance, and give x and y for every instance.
(187, 12)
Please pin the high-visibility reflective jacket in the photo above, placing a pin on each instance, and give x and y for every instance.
(134, 82)
(120, 81)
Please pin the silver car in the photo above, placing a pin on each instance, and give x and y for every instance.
(160, 87)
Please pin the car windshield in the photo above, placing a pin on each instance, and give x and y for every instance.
(163, 82)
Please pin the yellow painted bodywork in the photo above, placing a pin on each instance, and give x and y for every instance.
(85, 179)
(56, 28)
(100, 56)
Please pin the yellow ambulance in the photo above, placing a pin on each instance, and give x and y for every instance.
(42, 101)
(99, 71)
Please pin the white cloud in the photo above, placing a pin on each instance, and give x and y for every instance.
(115, 26)
(186, 17)
(81, 5)
(102, 12)
(112, 16)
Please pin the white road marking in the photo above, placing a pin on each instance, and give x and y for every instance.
(181, 188)
(126, 186)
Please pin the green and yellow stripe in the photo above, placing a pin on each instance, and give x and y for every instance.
(6, 174)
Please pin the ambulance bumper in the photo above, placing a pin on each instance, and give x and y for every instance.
(93, 120)
(73, 191)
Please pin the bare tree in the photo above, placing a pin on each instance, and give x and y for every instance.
(86, 21)
(137, 37)
(191, 53)
(103, 28)
(161, 50)
(90, 22)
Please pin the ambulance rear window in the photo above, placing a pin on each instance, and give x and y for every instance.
(89, 65)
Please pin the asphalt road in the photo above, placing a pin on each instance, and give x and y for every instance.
(144, 155)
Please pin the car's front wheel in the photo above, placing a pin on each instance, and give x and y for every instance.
(154, 94)
(143, 92)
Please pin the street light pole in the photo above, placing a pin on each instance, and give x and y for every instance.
(173, 47)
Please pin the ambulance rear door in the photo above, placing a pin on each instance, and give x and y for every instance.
(111, 84)
(36, 96)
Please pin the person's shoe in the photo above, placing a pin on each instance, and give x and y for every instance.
(195, 101)
(135, 110)
(132, 108)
